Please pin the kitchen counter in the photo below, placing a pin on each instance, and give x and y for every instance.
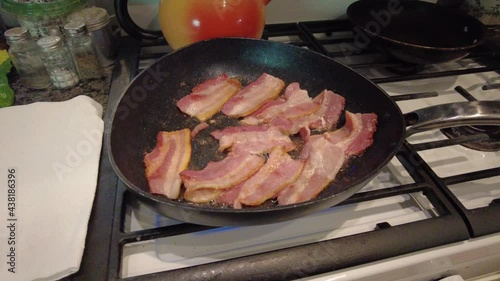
(98, 89)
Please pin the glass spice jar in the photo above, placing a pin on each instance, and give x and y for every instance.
(25, 57)
(82, 48)
(58, 62)
(97, 21)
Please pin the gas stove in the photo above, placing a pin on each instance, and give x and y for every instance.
(432, 211)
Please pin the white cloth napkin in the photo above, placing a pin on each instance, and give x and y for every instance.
(50, 153)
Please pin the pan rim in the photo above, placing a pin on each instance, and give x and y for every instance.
(159, 199)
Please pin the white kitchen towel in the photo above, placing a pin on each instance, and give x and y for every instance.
(49, 158)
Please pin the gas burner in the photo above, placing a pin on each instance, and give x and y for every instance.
(405, 68)
(492, 144)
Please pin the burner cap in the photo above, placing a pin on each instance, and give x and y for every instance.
(492, 144)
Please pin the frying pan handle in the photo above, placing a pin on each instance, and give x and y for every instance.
(452, 115)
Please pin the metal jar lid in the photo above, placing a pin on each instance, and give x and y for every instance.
(49, 43)
(16, 34)
(75, 28)
(95, 18)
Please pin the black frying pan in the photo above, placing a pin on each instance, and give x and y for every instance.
(414, 31)
(148, 105)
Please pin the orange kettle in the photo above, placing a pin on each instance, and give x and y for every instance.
(188, 21)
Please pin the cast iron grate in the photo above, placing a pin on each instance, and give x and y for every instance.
(106, 239)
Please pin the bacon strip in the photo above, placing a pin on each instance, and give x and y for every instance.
(324, 161)
(230, 197)
(356, 135)
(279, 172)
(296, 103)
(325, 154)
(326, 118)
(207, 98)
(203, 195)
(228, 172)
(198, 128)
(163, 165)
(252, 119)
(253, 96)
(252, 139)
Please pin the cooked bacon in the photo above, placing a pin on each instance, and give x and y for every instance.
(356, 135)
(229, 131)
(207, 98)
(325, 118)
(329, 113)
(253, 96)
(203, 195)
(296, 103)
(364, 139)
(163, 165)
(279, 172)
(228, 172)
(305, 133)
(252, 120)
(323, 162)
(198, 128)
(252, 139)
(325, 154)
(244, 177)
(230, 197)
